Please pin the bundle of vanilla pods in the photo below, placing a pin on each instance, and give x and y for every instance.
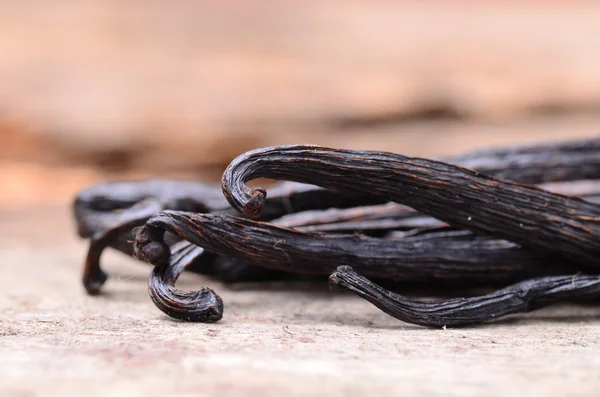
(524, 220)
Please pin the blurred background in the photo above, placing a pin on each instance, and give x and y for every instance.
(96, 90)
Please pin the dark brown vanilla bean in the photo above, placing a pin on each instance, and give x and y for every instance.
(378, 218)
(368, 219)
(527, 215)
(462, 259)
(391, 216)
(377, 227)
(93, 276)
(229, 271)
(524, 296)
(563, 161)
(434, 234)
(357, 184)
(197, 306)
(364, 218)
(337, 215)
(290, 197)
(586, 189)
(95, 206)
(98, 207)
(536, 163)
(107, 212)
(118, 235)
(531, 164)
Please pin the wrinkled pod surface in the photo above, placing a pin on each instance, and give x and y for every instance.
(203, 305)
(534, 218)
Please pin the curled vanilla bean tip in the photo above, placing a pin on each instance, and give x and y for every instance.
(255, 203)
(148, 249)
(203, 306)
(248, 201)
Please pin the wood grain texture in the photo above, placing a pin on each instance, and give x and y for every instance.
(277, 338)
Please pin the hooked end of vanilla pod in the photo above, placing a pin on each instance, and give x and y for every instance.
(149, 249)
(213, 311)
(255, 203)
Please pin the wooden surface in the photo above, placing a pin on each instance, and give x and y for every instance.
(274, 340)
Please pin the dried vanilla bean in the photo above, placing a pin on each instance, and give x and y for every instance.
(113, 235)
(532, 217)
(524, 296)
(379, 218)
(101, 207)
(228, 270)
(536, 163)
(107, 212)
(587, 189)
(393, 216)
(356, 185)
(450, 258)
(96, 207)
(563, 161)
(201, 306)
(532, 164)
